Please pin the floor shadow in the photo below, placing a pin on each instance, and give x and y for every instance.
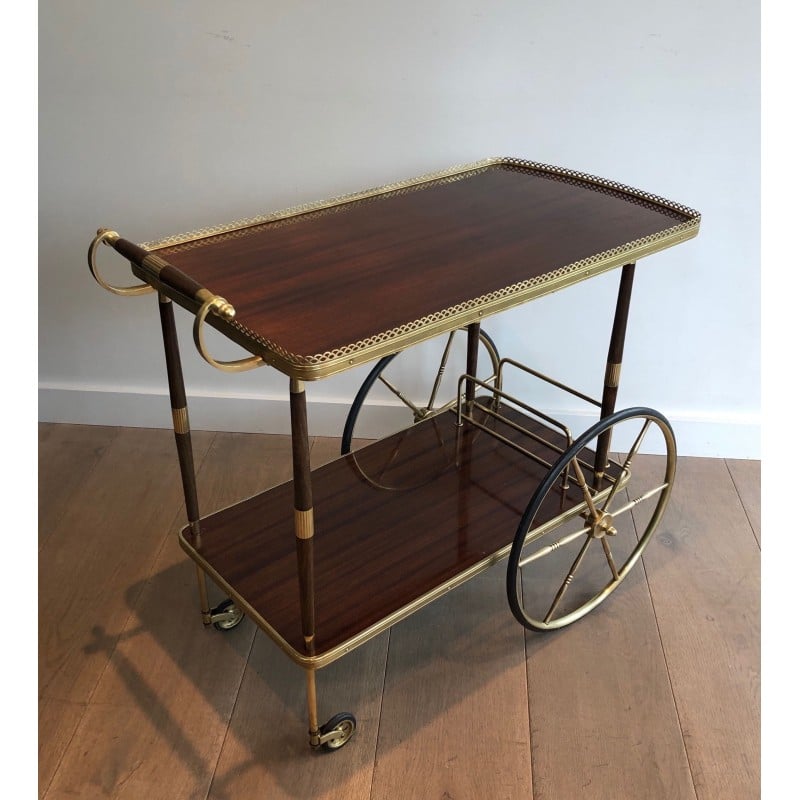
(481, 637)
(452, 648)
(470, 626)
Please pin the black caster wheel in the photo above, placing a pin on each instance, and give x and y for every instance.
(226, 615)
(340, 728)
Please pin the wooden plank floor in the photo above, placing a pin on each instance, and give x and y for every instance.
(655, 695)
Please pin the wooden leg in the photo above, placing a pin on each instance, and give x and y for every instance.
(183, 436)
(614, 366)
(304, 536)
(465, 434)
(473, 334)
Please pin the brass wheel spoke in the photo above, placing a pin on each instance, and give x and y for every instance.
(551, 548)
(587, 495)
(568, 580)
(610, 558)
(628, 460)
(579, 577)
(440, 373)
(392, 388)
(640, 499)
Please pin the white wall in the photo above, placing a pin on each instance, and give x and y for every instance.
(157, 118)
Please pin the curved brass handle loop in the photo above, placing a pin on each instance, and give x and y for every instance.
(108, 237)
(222, 308)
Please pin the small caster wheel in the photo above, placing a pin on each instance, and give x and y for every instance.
(339, 728)
(226, 615)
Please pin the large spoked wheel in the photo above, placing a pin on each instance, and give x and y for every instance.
(398, 376)
(583, 531)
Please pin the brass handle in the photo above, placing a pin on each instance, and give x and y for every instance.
(222, 308)
(159, 268)
(106, 236)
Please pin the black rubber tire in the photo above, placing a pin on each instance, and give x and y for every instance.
(553, 476)
(369, 382)
(224, 606)
(344, 719)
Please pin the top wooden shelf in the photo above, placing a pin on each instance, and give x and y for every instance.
(324, 287)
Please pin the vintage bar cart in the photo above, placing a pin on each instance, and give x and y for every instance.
(331, 559)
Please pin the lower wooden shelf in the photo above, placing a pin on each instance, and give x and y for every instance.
(397, 524)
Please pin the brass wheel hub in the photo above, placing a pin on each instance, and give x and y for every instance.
(602, 526)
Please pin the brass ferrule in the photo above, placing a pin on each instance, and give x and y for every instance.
(304, 524)
(180, 420)
(612, 375)
(153, 264)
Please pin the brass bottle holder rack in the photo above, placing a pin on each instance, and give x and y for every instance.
(493, 409)
(567, 471)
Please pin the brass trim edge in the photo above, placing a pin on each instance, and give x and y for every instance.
(317, 205)
(456, 172)
(304, 524)
(316, 367)
(321, 365)
(328, 657)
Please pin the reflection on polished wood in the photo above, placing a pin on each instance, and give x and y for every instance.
(453, 667)
(393, 521)
(309, 284)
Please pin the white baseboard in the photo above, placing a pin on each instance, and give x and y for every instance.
(697, 434)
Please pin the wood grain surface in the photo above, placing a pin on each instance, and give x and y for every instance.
(654, 694)
(106, 540)
(68, 454)
(746, 475)
(703, 569)
(169, 680)
(454, 721)
(597, 686)
(392, 522)
(325, 280)
(266, 751)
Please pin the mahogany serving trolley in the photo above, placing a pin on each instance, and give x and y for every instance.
(332, 558)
